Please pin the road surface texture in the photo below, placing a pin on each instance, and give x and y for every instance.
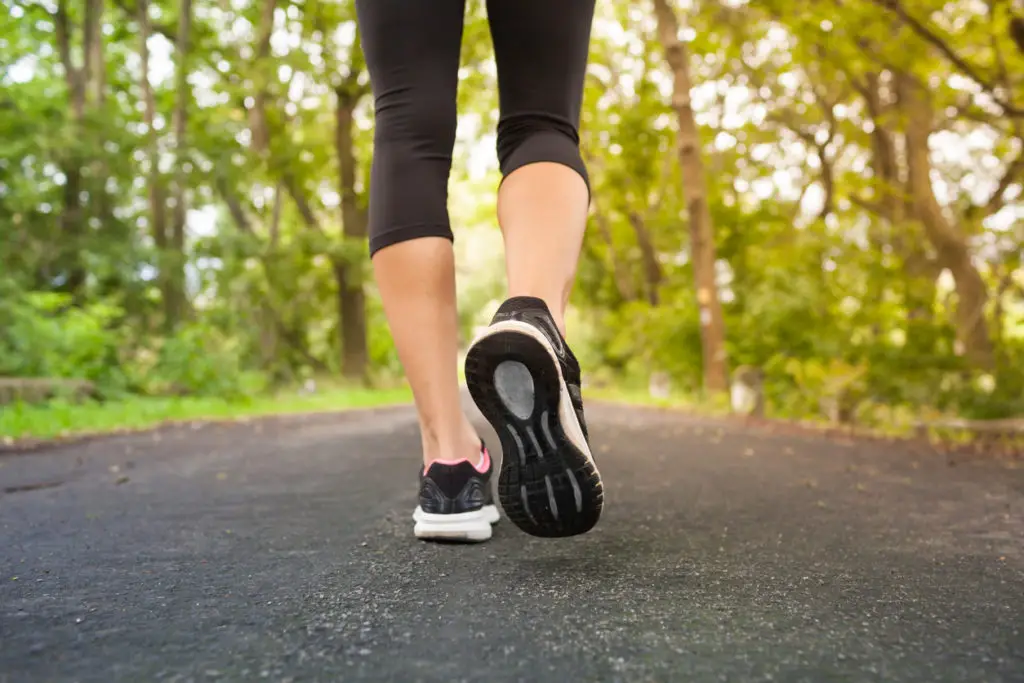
(283, 551)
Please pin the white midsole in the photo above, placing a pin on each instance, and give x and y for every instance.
(566, 414)
(464, 526)
(488, 514)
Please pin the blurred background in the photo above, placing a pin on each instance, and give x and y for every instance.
(821, 199)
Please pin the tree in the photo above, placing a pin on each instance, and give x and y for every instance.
(348, 269)
(849, 173)
(702, 239)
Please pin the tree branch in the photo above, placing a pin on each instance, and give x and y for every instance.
(867, 205)
(931, 37)
(1017, 32)
(301, 202)
(238, 215)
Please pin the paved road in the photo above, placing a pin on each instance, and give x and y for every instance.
(284, 551)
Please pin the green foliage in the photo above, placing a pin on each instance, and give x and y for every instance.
(834, 302)
(831, 293)
(197, 360)
(41, 335)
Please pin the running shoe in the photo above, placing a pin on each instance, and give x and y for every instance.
(456, 501)
(526, 381)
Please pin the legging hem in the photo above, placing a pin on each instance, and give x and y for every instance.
(409, 232)
(575, 165)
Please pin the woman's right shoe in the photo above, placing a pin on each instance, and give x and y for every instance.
(526, 382)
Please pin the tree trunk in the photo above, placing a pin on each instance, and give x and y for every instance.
(896, 210)
(176, 304)
(95, 68)
(945, 236)
(154, 191)
(95, 74)
(269, 333)
(887, 175)
(716, 375)
(258, 114)
(355, 359)
(72, 219)
(269, 320)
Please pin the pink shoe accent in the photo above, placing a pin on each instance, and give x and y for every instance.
(485, 462)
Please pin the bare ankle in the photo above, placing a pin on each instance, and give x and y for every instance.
(460, 443)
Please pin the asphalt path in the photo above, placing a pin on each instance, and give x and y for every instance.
(282, 550)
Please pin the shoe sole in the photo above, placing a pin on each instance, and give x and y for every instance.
(549, 485)
(468, 527)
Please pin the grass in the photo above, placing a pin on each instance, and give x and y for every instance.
(63, 418)
(642, 397)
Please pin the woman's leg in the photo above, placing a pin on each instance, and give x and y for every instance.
(412, 53)
(521, 372)
(541, 49)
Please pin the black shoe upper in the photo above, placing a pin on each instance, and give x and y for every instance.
(451, 489)
(536, 312)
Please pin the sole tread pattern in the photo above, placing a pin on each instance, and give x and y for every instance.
(547, 486)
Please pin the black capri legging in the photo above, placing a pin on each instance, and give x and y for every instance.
(412, 52)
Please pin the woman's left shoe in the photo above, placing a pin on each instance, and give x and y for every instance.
(456, 501)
